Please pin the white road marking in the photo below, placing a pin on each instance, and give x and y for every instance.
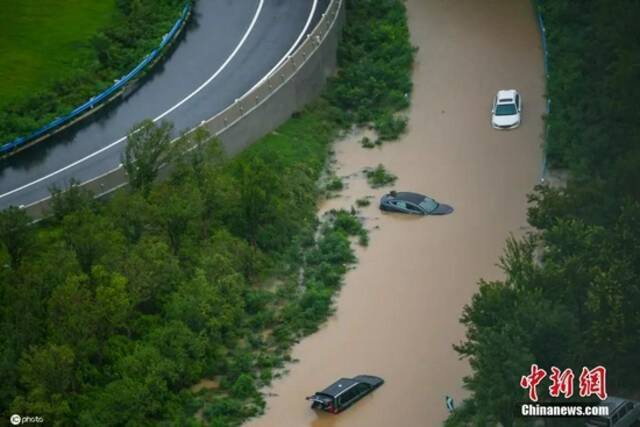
(160, 117)
(293, 46)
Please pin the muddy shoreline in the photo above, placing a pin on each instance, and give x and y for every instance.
(397, 315)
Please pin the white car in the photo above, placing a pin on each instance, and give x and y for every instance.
(506, 109)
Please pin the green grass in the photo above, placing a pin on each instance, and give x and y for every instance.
(43, 40)
(302, 140)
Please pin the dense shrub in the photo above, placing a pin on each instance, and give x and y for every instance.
(375, 61)
(379, 177)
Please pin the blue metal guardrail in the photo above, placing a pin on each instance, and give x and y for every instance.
(543, 34)
(98, 99)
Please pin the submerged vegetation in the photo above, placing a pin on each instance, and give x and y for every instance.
(363, 202)
(379, 177)
(335, 184)
(366, 142)
(112, 311)
(572, 289)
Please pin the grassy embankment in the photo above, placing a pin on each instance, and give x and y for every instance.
(572, 289)
(112, 311)
(55, 55)
(41, 40)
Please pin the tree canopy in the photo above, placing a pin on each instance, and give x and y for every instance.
(572, 289)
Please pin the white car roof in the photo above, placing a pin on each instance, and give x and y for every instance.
(507, 94)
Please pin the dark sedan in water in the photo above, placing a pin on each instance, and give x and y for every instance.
(413, 203)
(344, 393)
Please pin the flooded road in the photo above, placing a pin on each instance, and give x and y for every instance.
(397, 315)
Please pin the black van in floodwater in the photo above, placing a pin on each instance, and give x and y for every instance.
(344, 393)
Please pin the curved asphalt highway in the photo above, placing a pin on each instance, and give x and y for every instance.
(227, 47)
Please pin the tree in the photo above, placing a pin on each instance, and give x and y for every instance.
(244, 387)
(73, 320)
(74, 199)
(125, 401)
(213, 308)
(93, 239)
(50, 377)
(185, 349)
(112, 302)
(153, 273)
(177, 210)
(266, 203)
(205, 154)
(226, 254)
(507, 330)
(149, 146)
(15, 233)
(131, 214)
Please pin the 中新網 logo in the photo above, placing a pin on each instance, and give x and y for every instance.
(592, 382)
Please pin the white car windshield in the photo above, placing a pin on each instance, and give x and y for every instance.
(506, 110)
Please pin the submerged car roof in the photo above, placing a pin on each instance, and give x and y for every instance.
(409, 197)
(509, 94)
(339, 386)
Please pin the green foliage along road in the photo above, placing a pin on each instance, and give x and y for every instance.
(111, 311)
(572, 290)
(54, 55)
(377, 82)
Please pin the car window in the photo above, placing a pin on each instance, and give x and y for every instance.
(629, 406)
(361, 388)
(623, 411)
(615, 418)
(413, 208)
(348, 395)
(517, 99)
(400, 204)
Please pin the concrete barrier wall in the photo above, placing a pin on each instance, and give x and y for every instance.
(294, 84)
(537, 5)
(298, 85)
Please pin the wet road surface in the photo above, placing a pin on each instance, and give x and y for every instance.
(397, 315)
(256, 34)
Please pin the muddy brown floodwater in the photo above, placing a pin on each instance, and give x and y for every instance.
(397, 315)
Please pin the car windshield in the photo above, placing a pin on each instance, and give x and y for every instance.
(505, 110)
(428, 204)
